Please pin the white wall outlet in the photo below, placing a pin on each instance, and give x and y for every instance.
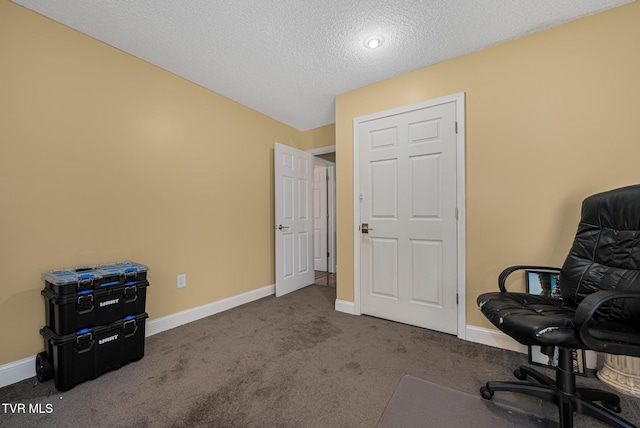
(182, 280)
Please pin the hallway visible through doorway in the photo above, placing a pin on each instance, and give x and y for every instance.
(327, 279)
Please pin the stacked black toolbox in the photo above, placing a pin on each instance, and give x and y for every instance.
(95, 319)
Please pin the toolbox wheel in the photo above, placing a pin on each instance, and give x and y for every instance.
(44, 369)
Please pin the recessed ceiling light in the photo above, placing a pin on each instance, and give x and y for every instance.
(373, 42)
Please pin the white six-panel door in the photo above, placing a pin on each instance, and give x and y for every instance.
(407, 176)
(293, 170)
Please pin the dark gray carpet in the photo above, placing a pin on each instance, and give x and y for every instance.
(418, 403)
(291, 361)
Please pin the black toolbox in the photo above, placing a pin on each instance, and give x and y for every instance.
(90, 352)
(95, 277)
(68, 313)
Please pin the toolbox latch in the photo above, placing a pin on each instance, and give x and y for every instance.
(84, 341)
(129, 327)
(85, 303)
(130, 293)
(130, 273)
(85, 282)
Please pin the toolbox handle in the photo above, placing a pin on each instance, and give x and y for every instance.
(48, 293)
(130, 294)
(129, 326)
(84, 340)
(85, 303)
(130, 273)
(84, 282)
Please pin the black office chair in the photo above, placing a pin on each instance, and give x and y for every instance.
(599, 308)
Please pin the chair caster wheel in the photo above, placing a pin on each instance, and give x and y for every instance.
(44, 369)
(614, 407)
(486, 393)
(520, 374)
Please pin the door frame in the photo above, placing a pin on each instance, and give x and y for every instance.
(459, 99)
(331, 203)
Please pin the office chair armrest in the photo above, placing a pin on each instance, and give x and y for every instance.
(588, 308)
(508, 271)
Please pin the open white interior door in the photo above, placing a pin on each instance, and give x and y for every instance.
(294, 218)
(320, 218)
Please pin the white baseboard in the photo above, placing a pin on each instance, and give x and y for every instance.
(500, 340)
(26, 368)
(494, 338)
(159, 325)
(485, 336)
(17, 371)
(346, 307)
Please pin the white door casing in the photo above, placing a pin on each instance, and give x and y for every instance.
(293, 171)
(409, 267)
(331, 223)
(320, 218)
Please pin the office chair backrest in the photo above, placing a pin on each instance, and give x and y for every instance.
(606, 252)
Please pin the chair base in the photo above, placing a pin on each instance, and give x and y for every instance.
(568, 398)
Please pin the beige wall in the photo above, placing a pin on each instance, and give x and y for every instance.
(321, 137)
(550, 118)
(104, 157)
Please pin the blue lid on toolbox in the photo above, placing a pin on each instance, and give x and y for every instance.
(125, 269)
(72, 275)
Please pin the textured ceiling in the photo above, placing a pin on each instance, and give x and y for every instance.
(288, 59)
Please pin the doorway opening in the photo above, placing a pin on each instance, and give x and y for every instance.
(324, 208)
(326, 279)
(296, 247)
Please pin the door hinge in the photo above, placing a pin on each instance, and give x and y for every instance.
(457, 213)
(456, 127)
(328, 254)
(457, 302)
